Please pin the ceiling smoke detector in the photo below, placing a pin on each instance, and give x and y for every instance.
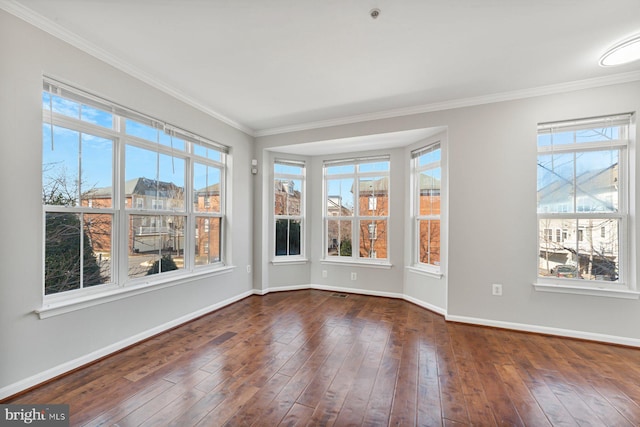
(374, 13)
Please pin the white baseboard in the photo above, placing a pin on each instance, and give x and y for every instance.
(426, 305)
(41, 377)
(93, 356)
(331, 289)
(546, 330)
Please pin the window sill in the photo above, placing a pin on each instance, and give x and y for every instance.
(586, 290)
(384, 265)
(58, 306)
(425, 272)
(289, 261)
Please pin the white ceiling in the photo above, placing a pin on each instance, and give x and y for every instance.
(368, 142)
(277, 65)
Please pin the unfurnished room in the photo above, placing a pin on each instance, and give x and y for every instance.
(319, 213)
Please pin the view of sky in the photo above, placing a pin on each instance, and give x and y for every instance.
(88, 159)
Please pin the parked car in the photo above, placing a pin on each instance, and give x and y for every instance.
(568, 271)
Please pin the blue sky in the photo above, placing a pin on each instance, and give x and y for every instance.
(71, 150)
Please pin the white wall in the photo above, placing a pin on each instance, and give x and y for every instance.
(492, 228)
(30, 348)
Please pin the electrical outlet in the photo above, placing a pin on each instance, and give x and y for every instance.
(496, 290)
(248, 269)
(324, 274)
(354, 276)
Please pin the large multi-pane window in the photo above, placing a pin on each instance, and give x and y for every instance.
(427, 179)
(356, 212)
(288, 207)
(125, 196)
(582, 199)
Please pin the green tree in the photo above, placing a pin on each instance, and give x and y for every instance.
(66, 266)
(166, 263)
(345, 247)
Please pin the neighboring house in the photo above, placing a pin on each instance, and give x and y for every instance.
(335, 208)
(591, 246)
(147, 233)
(287, 199)
(208, 228)
(374, 202)
(429, 196)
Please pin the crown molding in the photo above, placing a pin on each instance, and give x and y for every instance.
(459, 103)
(45, 24)
(48, 26)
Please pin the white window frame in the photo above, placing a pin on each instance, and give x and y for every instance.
(625, 287)
(120, 285)
(416, 170)
(301, 217)
(356, 218)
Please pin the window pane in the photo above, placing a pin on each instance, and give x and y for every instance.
(208, 232)
(96, 116)
(588, 135)
(587, 248)
(339, 238)
(62, 106)
(429, 157)
(206, 182)
(294, 237)
(156, 244)
(429, 203)
(279, 168)
(60, 168)
(335, 170)
(373, 239)
(287, 237)
(72, 257)
(282, 237)
(141, 169)
(152, 134)
(98, 246)
(373, 196)
(287, 196)
(374, 167)
(207, 152)
(555, 183)
(597, 181)
(76, 110)
(556, 138)
(62, 253)
(598, 134)
(429, 244)
(96, 187)
(340, 197)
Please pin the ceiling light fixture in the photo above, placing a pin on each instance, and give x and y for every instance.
(622, 53)
(374, 13)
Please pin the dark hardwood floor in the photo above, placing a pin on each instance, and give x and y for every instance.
(311, 358)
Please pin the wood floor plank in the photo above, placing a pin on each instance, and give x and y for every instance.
(309, 358)
(523, 400)
(404, 409)
(381, 398)
(259, 403)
